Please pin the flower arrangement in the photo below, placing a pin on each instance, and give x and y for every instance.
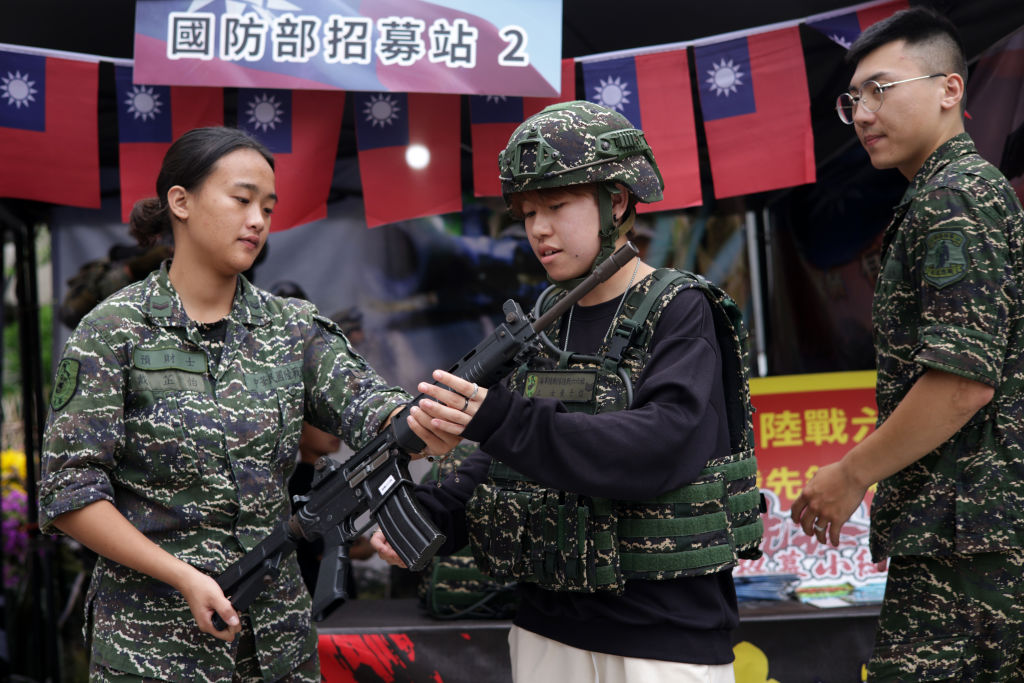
(24, 554)
(15, 517)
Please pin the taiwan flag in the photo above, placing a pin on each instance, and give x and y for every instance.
(49, 139)
(653, 92)
(409, 155)
(494, 118)
(757, 113)
(301, 129)
(846, 27)
(149, 119)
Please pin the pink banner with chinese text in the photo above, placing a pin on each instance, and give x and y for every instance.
(802, 422)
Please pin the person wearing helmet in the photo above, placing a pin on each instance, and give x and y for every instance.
(600, 444)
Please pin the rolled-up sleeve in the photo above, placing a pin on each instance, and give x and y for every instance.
(962, 351)
(345, 396)
(84, 430)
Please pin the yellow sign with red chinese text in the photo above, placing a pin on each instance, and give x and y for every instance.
(802, 422)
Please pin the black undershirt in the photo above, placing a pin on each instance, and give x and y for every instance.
(213, 335)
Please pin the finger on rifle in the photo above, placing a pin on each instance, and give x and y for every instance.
(423, 425)
(229, 617)
(463, 387)
(442, 418)
(384, 549)
(439, 393)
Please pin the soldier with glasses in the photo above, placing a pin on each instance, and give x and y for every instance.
(948, 315)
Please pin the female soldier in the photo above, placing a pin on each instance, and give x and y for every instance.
(174, 422)
(606, 498)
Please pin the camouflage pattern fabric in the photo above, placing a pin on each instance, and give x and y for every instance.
(573, 143)
(452, 586)
(957, 618)
(196, 454)
(247, 666)
(522, 530)
(103, 674)
(949, 297)
(247, 662)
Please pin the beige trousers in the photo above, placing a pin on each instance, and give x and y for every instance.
(536, 659)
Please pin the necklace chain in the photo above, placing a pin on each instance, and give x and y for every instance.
(618, 309)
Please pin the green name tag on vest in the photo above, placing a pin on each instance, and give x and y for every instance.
(169, 359)
(568, 386)
(167, 380)
(272, 378)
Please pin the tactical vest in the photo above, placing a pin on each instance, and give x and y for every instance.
(521, 530)
(452, 586)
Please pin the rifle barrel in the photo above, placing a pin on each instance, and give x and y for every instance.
(621, 257)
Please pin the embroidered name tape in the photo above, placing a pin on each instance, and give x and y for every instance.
(169, 359)
(272, 378)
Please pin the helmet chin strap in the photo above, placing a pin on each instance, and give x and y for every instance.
(609, 232)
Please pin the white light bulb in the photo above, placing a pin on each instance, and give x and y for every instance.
(417, 156)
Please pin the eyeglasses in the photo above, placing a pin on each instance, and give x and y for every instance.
(869, 96)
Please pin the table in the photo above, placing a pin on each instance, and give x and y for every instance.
(393, 641)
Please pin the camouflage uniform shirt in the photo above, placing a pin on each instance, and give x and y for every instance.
(196, 454)
(949, 298)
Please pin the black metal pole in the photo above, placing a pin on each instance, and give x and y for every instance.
(41, 549)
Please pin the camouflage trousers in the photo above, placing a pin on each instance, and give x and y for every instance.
(955, 618)
(247, 666)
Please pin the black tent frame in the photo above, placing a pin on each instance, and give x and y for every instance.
(42, 660)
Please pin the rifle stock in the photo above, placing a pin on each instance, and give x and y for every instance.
(376, 479)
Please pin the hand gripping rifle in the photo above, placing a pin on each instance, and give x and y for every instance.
(375, 480)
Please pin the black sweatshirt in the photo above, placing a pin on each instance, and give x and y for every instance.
(674, 426)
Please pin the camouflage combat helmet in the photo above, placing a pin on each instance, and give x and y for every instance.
(573, 143)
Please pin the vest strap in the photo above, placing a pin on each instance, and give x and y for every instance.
(665, 278)
(700, 492)
(621, 339)
(742, 502)
(741, 469)
(686, 559)
(604, 575)
(749, 533)
(678, 526)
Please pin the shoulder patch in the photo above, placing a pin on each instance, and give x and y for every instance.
(65, 384)
(945, 260)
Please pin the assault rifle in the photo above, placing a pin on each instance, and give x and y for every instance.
(375, 480)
